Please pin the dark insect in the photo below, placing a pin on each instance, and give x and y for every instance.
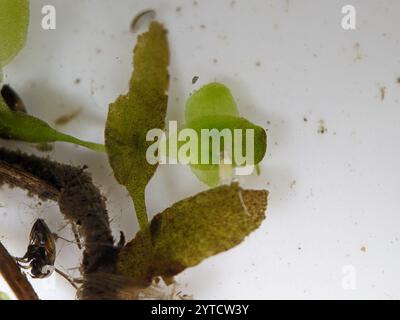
(12, 99)
(41, 254)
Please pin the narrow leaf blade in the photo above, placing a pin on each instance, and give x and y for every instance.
(133, 115)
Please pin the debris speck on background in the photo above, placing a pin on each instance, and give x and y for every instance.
(77, 81)
(258, 64)
(67, 118)
(363, 249)
(149, 13)
(383, 93)
(305, 119)
(44, 147)
(287, 6)
(292, 184)
(357, 55)
(398, 80)
(322, 129)
(195, 79)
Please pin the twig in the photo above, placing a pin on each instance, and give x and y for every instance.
(16, 176)
(14, 277)
(78, 198)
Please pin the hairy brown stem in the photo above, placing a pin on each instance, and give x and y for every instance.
(18, 177)
(14, 277)
(79, 200)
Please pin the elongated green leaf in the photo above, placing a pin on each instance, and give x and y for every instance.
(133, 115)
(14, 21)
(23, 127)
(192, 230)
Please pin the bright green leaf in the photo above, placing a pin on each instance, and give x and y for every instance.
(211, 100)
(213, 107)
(14, 21)
(133, 115)
(23, 127)
(192, 230)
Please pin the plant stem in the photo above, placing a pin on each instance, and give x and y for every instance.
(139, 200)
(14, 277)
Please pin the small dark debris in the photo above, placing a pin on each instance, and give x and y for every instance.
(195, 79)
(322, 129)
(65, 119)
(383, 93)
(45, 147)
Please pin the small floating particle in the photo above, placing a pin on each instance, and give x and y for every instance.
(383, 93)
(45, 147)
(357, 55)
(258, 63)
(322, 129)
(65, 119)
(363, 249)
(195, 79)
(77, 81)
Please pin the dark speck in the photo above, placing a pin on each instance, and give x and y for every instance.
(195, 79)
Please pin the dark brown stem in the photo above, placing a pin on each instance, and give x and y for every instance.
(79, 200)
(14, 277)
(18, 177)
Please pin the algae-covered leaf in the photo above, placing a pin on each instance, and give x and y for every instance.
(14, 21)
(213, 107)
(133, 115)
(23, 127)
(192, 230)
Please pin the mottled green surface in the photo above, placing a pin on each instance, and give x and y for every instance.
(23, 127)
(14, 21)
(213, 107)
(133, 115)
(192, 230)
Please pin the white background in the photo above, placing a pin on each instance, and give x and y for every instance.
(332, 194)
